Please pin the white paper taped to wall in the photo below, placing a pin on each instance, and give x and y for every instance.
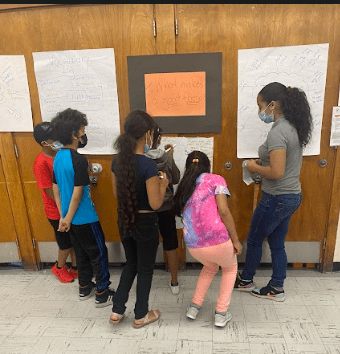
(15, 103)
(302, 66)
(84, 80)
(335, 130)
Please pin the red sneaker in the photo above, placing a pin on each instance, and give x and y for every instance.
(73, 273)
(62, 274)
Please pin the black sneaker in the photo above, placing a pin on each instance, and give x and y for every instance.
(105, 298)
(85, 293)
(270, 292)
(243, 284)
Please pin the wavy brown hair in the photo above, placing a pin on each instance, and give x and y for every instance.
(137, 123)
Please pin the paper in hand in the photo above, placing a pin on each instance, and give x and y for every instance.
(246, 174)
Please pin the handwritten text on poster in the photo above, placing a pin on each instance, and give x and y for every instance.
(175, 94)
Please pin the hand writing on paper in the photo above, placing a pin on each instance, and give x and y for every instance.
(169, 149)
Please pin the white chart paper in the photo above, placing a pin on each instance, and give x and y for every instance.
(302, 66)
(84, 80)
(184, 146)
(15, 104)
(335, 130)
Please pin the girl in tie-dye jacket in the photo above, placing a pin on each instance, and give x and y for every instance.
(209, 232)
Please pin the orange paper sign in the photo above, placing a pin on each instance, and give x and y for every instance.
(175, 94)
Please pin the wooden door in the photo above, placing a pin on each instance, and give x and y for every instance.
(128, 28)
(8, 234)
(228, 27)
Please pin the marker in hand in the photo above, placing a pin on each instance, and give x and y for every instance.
(171, 147)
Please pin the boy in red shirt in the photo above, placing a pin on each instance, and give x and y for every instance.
(43, 170)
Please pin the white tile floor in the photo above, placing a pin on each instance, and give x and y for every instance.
(40, 315)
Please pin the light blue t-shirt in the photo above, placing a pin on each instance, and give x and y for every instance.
(70, 169)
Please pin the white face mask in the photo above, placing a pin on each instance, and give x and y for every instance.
(146, 146)
(55, 146)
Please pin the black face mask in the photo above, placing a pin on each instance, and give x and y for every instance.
(84, 139)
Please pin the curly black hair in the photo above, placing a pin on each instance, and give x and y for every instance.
(295, 108)
(196, 163)
(137, 123)
(67, 123)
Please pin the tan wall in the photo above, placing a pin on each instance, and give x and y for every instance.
(128, 29)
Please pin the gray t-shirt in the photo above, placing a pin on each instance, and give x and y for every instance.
(283, 136)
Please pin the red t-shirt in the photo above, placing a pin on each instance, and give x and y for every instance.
(43, 170)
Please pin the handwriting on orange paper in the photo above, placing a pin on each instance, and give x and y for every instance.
(175, 94)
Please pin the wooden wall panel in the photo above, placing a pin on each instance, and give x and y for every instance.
(227, 28)
(17, 201)
(2, 176)
(40, 227)
(127, 28)
(7, 231)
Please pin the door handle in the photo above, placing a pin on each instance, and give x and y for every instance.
(96, 168)
(228, 165)
(322, 163)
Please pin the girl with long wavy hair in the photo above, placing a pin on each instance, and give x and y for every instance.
(209, 232)
(279, 165)
(140, 190)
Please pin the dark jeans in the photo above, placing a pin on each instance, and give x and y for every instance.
(270, 219)
(140, 252)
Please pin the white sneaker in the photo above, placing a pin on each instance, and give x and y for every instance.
(192, 312)
(221, 321)
(174, 289)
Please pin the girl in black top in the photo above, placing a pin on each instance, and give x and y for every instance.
(140, 191)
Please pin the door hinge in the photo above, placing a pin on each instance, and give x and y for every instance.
(16, 151)
(324, 243)
(34, 245)
(176, 27)
(154, 27)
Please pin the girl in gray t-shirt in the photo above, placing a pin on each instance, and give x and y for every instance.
(279, 166)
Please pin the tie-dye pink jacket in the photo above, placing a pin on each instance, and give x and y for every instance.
(203, 226)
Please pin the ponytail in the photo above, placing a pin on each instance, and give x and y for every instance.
(137, 123)
(197, 163)
(126, 181)
(295, 108)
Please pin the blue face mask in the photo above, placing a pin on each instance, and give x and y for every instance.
(265, 118)
(57, 145)
(146, 146)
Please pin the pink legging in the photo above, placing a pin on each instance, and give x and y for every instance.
(212, 257)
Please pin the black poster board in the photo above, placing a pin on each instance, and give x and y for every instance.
(210, 63)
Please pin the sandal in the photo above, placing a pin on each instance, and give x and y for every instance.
(151, 316)
(117, 320)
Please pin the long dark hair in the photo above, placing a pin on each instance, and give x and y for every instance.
(137, 123)
(196, 163)
(294, 105)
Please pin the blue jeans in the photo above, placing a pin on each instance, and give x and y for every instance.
(270, 219)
